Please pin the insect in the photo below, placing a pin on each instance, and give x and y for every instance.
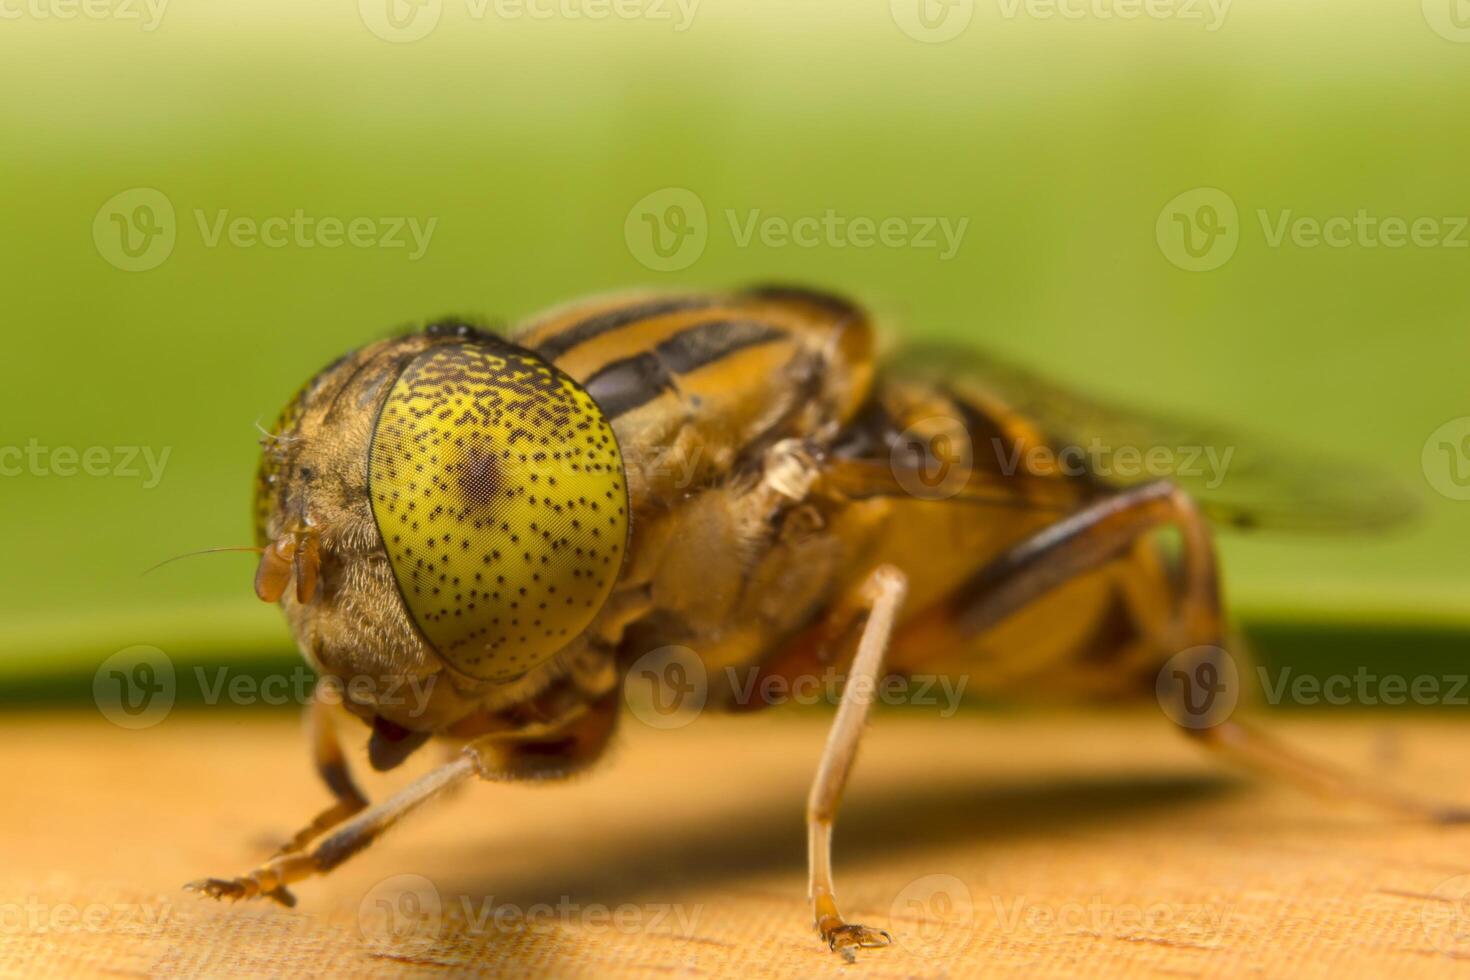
(512, 523)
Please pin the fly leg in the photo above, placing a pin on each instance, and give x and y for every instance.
(1244, 744)
(882, 593)
(331, 766)
(1249, 747)
(1106, 530)
(272, 878)
(531, 753)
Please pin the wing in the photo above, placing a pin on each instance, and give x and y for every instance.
(1238, 479)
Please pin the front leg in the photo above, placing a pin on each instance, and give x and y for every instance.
(882, 592)
(331, 765)
(536, 752)
(270, 879)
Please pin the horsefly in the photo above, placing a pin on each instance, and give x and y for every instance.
(511, 524)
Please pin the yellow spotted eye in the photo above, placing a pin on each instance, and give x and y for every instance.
(499, 491)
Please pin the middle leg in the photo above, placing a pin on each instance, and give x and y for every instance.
(882, 592)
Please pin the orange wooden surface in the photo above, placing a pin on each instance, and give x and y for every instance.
(1005, 846)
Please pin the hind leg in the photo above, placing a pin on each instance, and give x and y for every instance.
(1238, 742)
(1191, 628)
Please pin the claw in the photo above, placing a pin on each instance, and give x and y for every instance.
(237, 888)
(846, 938)
(221, 888)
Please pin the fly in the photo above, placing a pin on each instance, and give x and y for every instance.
(509, 525)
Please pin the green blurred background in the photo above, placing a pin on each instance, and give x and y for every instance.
(529, 141)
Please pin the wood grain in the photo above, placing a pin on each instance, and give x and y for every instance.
(1004, 846)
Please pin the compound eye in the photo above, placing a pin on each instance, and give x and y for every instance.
(499, 491)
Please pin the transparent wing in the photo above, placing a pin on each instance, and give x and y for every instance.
(859, 479)
(1238, 479)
